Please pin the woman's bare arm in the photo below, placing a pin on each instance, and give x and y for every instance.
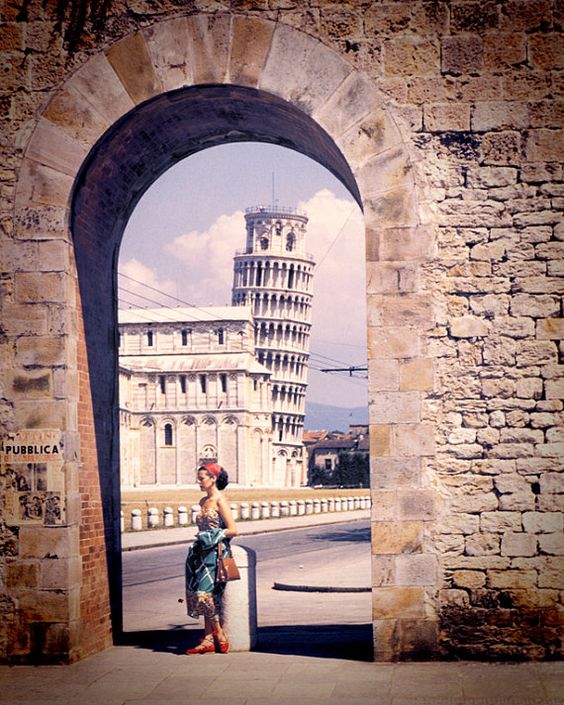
(225, 512)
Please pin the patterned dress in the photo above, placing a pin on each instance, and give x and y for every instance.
(203, 595)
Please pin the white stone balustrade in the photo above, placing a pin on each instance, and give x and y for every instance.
(244, 511)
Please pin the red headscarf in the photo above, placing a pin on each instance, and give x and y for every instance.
(213, 469)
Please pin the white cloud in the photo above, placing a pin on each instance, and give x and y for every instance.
(133, 290)
(208, 260)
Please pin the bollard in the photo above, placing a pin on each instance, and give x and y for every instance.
(324, 505)
(309, 506)
(265, 510)
(136, 520)
(275, 510)
(293, 507)
(338, 504)
(284, 509)
(234, 510)
(368, 502)
(331, 504)
(168, 516)
(182, 516)
(240, 602)
(152, 517)
(300, 507)
(350, 503)
(244, 511)
(357, 502)
(316, 506)
(121, 522)
(195, 510)
(255, 510)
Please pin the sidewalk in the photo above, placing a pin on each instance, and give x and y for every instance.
(162, 675)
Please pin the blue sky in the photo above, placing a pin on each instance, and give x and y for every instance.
(182, 234)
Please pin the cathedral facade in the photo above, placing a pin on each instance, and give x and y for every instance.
(224, 383)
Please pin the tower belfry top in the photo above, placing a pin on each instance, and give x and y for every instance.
(276, 230)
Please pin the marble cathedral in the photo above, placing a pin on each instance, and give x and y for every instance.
(224, 383)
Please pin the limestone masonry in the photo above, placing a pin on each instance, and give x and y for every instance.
(443, 119)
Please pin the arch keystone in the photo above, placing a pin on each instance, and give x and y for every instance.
(210, 42)
(251, 41)
(169, 47)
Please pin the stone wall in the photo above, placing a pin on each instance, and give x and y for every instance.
(448, 114)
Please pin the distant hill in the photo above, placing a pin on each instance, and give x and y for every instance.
(333, 418)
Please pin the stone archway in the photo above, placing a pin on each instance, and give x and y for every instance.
(118, 123)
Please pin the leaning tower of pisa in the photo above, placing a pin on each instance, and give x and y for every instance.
(273, 275)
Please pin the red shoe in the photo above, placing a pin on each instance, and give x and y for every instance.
(206, 646)
(222, 642)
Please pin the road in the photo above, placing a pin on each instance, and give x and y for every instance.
(154, 579)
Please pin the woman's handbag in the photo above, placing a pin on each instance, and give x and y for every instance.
(226, 567)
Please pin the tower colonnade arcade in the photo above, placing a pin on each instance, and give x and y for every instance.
(439, 118)
(279, 295)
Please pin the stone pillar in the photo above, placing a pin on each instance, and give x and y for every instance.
(240, 602)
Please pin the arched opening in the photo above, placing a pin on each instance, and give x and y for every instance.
(121, 166)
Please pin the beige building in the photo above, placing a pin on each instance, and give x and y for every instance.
(191, 390)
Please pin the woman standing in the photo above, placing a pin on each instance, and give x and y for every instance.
(215, 528)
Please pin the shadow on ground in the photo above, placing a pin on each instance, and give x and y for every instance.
(352, 642)
(350, 536)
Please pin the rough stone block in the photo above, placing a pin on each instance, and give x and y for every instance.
(40, 351)
(535, 306)
(383, 571)
(469, 327)
(416, 375)
(545, 51)
(374, 134)
(504, 50)
(529, 388)
(398, 207)
(21, 575)
(402, 602)
(497, 115)
(352, 102)
(553, 544)
(471, 579)
(443, 117)
(550, 329)
(384, 505)
(392, 343)
(502, 148)
(391, 278)
(131, 61)
(500, 522)
(75, 116)
(475, 502)
(491, 176)
(383, 375)
(40, 287)
(385, 171)
(413, 439)
(380, 440)
(521, 435)
(513, 579)
(394, 407)
(544, 145)
(42, 185)
(53, 147)
(400, 310)
(540, 352)
(391, 473)
(395, 537)
(414, 570)
(401, 244)
(461, 54)
(48, 542)
(410, 55)
(482, 544)
(459, 524)
(417, 504)
(518, 544)
(550, 573)
(62, 574)
(32, 384)
(100, 86)
(44, 606)
(542, 522)
(25, 319)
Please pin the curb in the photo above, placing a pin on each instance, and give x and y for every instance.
(318, 588)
